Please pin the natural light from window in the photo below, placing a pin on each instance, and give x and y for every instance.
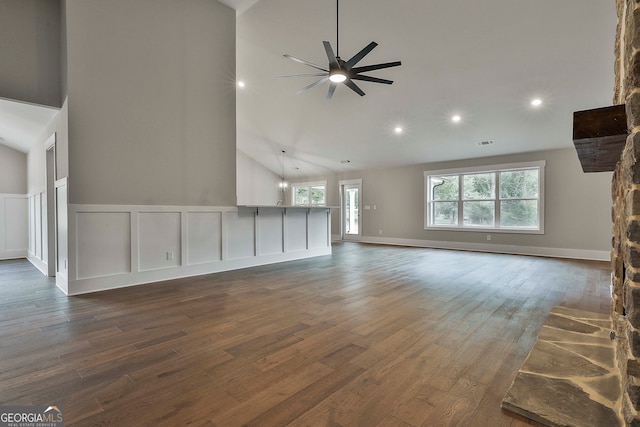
(309, 194)
(505, 198)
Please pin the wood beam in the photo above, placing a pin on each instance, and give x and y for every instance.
(599, 136)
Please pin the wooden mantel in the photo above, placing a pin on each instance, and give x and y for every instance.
(599, 137)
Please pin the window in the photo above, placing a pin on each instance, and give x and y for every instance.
(309, 194)
(497, 198)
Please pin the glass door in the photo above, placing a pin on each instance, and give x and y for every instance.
(351, 219)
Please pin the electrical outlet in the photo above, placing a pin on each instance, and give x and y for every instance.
(488, 236)
(169, 255)
(379, 231)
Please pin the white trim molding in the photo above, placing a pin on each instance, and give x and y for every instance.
(14, 226)
(490, 248)
(114, 246)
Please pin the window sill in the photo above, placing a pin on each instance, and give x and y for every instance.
(488, 230)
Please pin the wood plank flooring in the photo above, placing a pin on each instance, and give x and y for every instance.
(369, 336)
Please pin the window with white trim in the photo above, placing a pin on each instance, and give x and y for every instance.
(309, 194)
(507, 198)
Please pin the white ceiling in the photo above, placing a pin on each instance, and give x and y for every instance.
(22, 124)
(484, 60)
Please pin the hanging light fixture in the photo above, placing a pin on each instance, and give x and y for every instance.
(283, 182)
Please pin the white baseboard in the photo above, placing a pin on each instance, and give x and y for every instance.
(83, 286)
(38, 263)
(12, 254)
(485, 247)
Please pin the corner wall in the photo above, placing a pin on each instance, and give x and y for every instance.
(13, 171)
(14, 236)
(256, 184)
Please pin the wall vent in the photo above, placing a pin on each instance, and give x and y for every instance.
(487, 142)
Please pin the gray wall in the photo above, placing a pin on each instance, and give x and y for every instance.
(30, 37)
(256, 184)
(577, 205)
(36, 169)
(13, 171)
(151, 110)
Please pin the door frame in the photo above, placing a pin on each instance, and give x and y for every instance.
(350, 183)
(50, 182)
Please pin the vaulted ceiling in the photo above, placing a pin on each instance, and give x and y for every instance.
(21, 124)
(484, 61)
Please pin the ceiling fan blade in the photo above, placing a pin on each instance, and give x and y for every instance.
(302, 61)
(358, 56)
(366, 68)
(302, 75)
(371, 79)
(314, 84)
(333, 62)
(332, 88)
(354, 87)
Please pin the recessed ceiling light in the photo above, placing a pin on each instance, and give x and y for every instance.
(536, 102)
(456, 118)
(398, 129)
(241, 84)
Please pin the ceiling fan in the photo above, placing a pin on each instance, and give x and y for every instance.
(340, 71)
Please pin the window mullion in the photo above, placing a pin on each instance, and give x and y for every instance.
(460, 203)
(497, 201)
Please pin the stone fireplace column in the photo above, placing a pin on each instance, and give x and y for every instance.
(625, 255)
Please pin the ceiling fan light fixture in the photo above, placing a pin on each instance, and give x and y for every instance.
(337, 77)
(340, 71)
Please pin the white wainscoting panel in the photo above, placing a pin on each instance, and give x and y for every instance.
(38, 225)
(113, 246)
(204, 237)
(318, 223)
(241, 235)
(45, 236)
(103, 243)
(16, 217)
(32, 225)
(296, 236)
(35, 219)
(65, 232)
(270, 231)
(14, 226)
(159, 235)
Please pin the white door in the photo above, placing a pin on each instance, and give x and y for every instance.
(351, 211)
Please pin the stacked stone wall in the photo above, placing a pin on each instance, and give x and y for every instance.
(625, 255)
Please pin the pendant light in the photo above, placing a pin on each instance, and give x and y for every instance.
(283, 182)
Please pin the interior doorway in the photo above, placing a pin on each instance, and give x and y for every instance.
(351, 209)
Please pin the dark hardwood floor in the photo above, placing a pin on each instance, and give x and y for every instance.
(369, 336)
